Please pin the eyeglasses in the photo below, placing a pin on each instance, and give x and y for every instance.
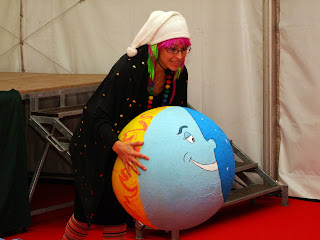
(176, 51)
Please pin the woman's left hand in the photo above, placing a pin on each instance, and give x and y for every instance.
(128, 154)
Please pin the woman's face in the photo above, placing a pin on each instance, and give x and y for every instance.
(171, 60)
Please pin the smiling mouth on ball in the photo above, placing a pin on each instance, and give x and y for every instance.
(208, 167)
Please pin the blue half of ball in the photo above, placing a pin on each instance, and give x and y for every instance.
(224, 153)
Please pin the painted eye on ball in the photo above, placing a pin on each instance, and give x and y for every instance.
(189, 137)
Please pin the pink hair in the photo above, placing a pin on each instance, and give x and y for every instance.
(181, 41)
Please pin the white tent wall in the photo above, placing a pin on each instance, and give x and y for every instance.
(225, 65)
(299, 97)
(232, 88)
(10, 36)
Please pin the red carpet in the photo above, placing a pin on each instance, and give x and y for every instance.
(266, 219)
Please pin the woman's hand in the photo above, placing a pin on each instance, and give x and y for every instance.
(127, 153)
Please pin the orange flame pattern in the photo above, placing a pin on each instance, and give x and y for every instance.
(127, 188)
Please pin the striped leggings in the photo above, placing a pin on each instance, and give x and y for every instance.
(77, 231)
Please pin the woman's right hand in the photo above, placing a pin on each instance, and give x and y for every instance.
(128, 153)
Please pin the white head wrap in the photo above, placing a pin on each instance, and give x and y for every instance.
(159, 27)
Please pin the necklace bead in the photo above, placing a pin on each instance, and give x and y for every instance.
(169, 75)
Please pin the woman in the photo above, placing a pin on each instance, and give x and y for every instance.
(151, 74)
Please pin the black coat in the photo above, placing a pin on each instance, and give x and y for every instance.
(120, 98)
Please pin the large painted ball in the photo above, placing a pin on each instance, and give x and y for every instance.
(189, 174)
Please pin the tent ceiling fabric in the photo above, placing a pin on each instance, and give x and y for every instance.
(299, 97)
(225, 65)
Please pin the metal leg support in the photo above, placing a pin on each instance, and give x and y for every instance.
(36, 174)
(253, 201)
(139, 230)
(175, 235)
(284, 192)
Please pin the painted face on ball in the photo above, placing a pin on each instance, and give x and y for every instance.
(184, 171)
(195, 140)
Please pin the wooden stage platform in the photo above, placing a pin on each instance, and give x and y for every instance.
(39, 85)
